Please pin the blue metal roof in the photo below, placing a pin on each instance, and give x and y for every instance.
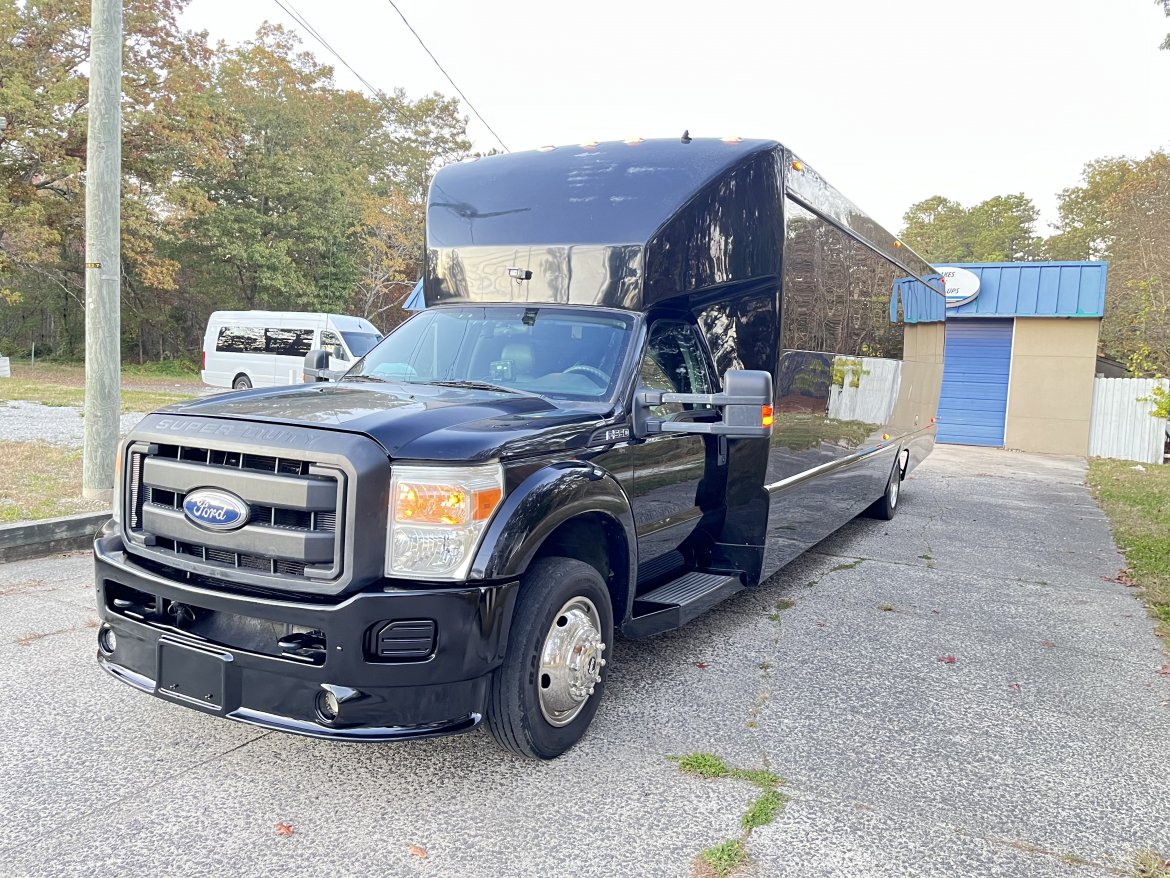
(1035, 289)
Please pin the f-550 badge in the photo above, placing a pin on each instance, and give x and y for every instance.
(611, 434)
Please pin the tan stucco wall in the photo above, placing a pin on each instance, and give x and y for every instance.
(1050, 394)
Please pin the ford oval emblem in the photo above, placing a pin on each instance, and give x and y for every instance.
(216, 510)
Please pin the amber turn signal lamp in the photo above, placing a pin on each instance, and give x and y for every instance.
(766, 419)
(798, 166)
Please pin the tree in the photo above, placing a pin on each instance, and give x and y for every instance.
(1165, 4)
(1121, 213)
(1000, 229)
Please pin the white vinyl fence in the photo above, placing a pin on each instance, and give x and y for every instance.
(5, 368)
(1120, 426)
(868, 389)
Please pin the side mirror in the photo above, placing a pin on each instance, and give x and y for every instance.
(317, 367)
(746, 402)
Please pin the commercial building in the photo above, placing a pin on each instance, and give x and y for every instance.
(1021, 349)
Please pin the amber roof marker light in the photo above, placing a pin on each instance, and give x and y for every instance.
(797, 165)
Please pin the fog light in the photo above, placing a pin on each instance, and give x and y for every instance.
(328, 707)
(107, 640)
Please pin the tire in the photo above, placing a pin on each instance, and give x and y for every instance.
(887, 507)
(242, 382)
(563, 610)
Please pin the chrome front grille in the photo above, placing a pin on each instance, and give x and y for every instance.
(296, 513)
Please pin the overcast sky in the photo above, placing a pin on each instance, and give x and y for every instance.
(891, 101)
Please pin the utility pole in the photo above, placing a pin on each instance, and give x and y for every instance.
(103, 251)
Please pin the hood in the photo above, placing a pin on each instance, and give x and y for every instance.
(412, 421)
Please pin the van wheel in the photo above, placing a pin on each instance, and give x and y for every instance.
(543, 697)
(242, 382)
(887, 507)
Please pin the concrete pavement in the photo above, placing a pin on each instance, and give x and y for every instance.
(1042, 750)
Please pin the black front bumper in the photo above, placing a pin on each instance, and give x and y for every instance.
(442, 693)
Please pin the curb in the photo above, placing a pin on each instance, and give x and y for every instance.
(24, 540)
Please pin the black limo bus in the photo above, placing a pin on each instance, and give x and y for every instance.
(648, 375)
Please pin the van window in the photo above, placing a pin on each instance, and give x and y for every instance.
(288, 342)
(240, 340)
(330, 342)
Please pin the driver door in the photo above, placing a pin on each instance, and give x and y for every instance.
(338, 358)
(668, 467)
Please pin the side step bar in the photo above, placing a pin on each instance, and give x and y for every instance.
(672, 605)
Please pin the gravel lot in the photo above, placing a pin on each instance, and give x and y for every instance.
(1041, 750)
(58, 425)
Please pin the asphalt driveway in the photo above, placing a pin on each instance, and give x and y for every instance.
(961, 691)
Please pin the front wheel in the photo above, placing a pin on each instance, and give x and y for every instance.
(242, 382)
(544, 695)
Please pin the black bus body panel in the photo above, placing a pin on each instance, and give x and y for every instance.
(771, 267)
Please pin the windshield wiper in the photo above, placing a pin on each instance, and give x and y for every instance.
(472, 384)
(364, 378)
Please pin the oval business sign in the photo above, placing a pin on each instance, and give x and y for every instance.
(962, 286)
(215, 509)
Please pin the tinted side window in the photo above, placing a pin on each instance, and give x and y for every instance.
(288, 342)
(240, 340)
(673, 362)
(837, 291)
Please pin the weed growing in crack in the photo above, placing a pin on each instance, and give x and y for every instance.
(728, 856)
(1150, 864)
(723, 859)
(848, 566)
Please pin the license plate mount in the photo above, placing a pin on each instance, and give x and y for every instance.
(192, 674)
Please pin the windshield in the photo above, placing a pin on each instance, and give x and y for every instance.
(555, 352)
(360, 343)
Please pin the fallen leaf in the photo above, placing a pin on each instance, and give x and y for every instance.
(947, 659)
(1164, 670)
(1122, 578)
(417, 850)
(284, 830)
(1015, 687)
(1047, 644)
(702, 665)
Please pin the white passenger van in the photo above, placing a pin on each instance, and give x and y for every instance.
(243, 349)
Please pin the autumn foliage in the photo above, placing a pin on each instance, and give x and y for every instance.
(250, 179)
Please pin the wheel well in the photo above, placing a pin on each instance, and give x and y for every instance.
(240, 375)
(600, 542)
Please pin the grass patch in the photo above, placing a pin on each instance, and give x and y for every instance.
(701, 765)
(38, 480)
(162, 369)
(1150, 864)
(1138, 506)
(785, 604)
(724, 858)
(65, 386)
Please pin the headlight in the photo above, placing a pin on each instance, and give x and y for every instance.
(437, 517)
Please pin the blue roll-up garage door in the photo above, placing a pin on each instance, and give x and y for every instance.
(973, 406)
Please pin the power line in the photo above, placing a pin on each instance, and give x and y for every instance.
(448, 75)
(312, 31)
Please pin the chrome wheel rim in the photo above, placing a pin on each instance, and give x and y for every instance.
(895, 487)
(570, 661)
